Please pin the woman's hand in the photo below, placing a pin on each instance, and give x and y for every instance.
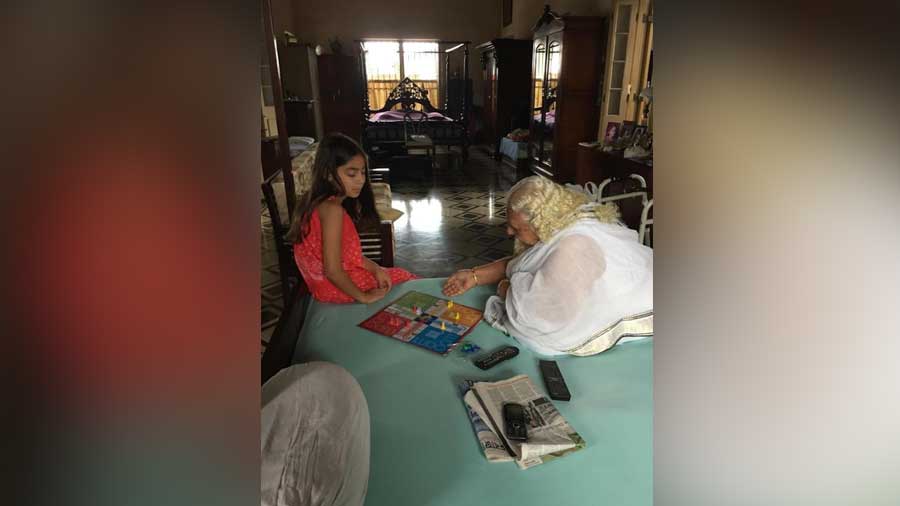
(383, 278)
(502, 288)
(459, 283)
(373, 295)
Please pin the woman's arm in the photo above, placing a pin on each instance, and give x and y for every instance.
(332, 218)
(463, 280)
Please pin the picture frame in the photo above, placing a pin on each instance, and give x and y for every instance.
(612, 132)
(639, 132)
(627, 129)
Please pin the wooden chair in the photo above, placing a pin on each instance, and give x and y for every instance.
(287, 268)
(415, 135)
(280, 350)
(380, 175)
(378, 245)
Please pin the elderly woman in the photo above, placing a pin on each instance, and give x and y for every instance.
(579, 281)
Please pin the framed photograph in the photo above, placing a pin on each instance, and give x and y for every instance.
(639, 132)
(612, 132)
(627, 129)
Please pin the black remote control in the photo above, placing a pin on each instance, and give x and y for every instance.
(505, 353)
(554, 381)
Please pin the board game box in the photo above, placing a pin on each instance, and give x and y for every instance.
(424, 320)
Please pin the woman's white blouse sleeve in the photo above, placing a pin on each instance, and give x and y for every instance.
(550, 297)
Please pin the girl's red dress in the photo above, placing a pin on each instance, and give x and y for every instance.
(308, 255)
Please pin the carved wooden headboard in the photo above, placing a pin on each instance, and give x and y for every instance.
(407, 93)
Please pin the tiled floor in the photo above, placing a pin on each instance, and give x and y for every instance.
(454, 220)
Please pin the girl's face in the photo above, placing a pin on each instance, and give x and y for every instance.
(518, 226)
(353, 176)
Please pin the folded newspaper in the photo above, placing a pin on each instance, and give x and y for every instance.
(549, 435)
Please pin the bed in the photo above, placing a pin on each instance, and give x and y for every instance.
(383, 128)
(423, 449)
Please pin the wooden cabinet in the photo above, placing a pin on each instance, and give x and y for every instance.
(567, 52)
(340, 96)
(506, 67)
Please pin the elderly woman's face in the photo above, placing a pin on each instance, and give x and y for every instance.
(518, 226)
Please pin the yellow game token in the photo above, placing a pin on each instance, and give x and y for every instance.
(449, 303)
(457, 315)
(443, 327)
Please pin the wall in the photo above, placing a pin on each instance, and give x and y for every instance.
(473, 20)
(526, 13)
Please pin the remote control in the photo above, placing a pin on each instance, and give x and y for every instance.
(554, 381)
(505, 353)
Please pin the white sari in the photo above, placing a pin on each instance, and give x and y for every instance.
(587, 288)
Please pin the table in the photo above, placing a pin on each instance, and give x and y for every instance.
(424, 451)
(595, 165)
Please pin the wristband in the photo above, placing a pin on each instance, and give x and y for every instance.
(474, 276)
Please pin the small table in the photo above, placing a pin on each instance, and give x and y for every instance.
(595, 165)
(423, 449)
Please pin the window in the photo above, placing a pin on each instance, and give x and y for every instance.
(388, 62)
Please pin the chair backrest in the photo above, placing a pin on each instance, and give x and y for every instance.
(645, 232)
(414, 123)
(378, 245)
(629, 194)
(287, 268)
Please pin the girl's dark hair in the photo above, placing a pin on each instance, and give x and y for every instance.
(335, 150)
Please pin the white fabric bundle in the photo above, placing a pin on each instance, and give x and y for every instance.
(315, 438)
(562, 293)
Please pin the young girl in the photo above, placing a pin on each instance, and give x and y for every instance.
(326, 245)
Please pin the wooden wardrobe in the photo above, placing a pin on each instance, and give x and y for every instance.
(339, 94)
(506, 70)
(567, 58)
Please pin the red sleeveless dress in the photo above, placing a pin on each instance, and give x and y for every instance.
(308, 255)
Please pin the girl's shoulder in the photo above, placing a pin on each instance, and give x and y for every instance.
(330, 210)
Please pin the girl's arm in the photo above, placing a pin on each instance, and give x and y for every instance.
(369, 265)
(381, 275)
(332, 217)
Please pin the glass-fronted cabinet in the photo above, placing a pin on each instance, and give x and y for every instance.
(539, 73)
(566, 56)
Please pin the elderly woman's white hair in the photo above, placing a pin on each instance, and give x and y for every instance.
(549, 207)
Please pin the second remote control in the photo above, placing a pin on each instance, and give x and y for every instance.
(554, 381)
(505, 353)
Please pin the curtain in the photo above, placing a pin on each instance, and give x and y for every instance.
(383, 70)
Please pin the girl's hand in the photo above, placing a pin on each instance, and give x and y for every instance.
(502, 288)
(459, 283)
(373, 295)
(383, 278)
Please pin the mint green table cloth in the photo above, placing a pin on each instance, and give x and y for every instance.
(424, 451)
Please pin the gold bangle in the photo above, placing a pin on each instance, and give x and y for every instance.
(474, 275)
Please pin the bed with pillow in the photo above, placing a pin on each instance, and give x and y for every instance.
(384, 128)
